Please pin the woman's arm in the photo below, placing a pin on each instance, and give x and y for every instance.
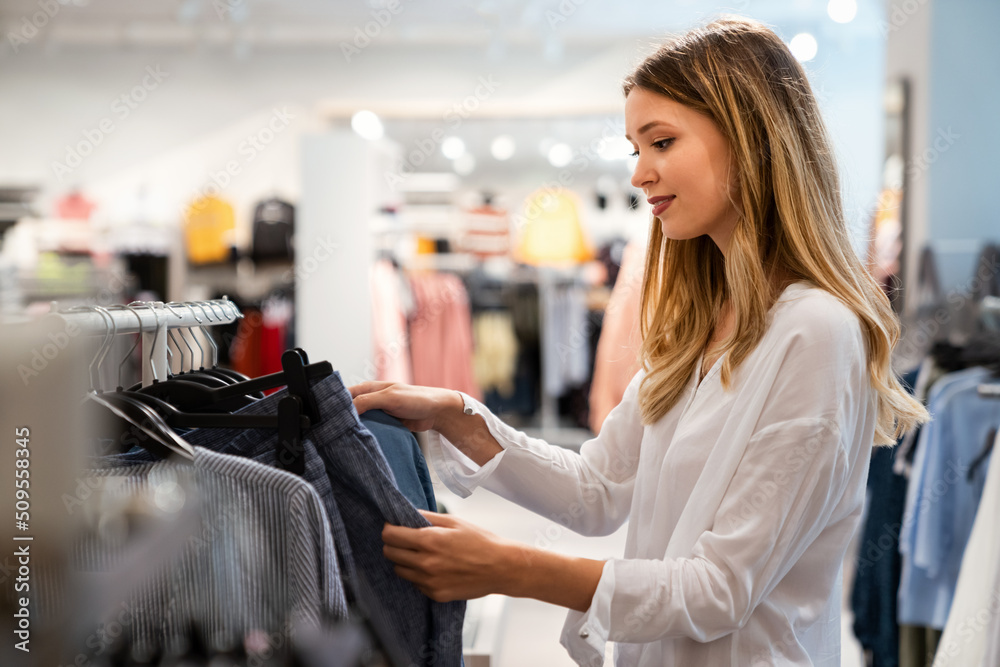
(456, 560)
(589, 491)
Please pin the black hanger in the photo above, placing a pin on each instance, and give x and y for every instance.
(296, 375)
(148, 428)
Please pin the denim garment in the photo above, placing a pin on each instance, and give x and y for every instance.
(876, 578)
(262, 559)
(941, 502)
(431, 632)
(402, 453)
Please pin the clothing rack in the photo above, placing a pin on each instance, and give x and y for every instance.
(152, 319)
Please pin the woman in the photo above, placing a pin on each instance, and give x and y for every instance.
(739, 453)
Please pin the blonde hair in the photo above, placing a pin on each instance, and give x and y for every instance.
(741, 75)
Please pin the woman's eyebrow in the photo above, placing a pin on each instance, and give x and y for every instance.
(648, 126)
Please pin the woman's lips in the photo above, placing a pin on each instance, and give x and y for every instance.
(660, 204)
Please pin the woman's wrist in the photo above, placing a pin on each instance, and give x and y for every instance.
(450, 406)
(528, 572)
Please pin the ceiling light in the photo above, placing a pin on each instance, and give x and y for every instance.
(464, 164)
(452, 147)
(367, 124)
(560, 155)
(803, 46)
(842, 11)
(502, 147)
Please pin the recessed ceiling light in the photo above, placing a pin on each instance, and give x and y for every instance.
(452, 147)
(367, 124)
(803, 46)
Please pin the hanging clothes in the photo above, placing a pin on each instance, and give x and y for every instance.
(262, 560)
(878, 563)
(972, 634)
(565, 338)
(496, 350)
(941, 502)
(441, 333)
(208, 227)
(389, 336)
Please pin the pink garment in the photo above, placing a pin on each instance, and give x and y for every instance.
(441, 333)
(617, 358)
(391, 342)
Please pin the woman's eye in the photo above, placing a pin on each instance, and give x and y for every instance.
(634, 154)
(662, 143)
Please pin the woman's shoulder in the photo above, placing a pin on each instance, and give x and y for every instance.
(805, 310)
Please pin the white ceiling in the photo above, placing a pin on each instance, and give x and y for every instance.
(493, 25)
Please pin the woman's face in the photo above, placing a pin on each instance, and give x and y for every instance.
(684, 167)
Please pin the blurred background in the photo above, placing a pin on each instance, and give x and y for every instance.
(438, 192)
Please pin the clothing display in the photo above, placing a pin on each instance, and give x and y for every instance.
(269, 525)
(783, 520)
(390, 339)
(565, 353)
(208, 226)
(877, 569)
(441, 333)
(286, 510)
(971, 637)
(942, 496)
(495, 357)
(273, 230)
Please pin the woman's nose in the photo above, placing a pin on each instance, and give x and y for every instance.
(642, 175)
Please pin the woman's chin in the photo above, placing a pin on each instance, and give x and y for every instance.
(672, 232)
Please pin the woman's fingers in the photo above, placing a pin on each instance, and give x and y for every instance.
(367, 387)
(404, 557)
(402, 537)
(439, 519)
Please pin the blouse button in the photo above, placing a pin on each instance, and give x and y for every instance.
(468, 410)
(584, 633)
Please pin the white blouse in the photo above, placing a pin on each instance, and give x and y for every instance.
(740, 503)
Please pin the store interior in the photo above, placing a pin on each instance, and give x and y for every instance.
(439, 194)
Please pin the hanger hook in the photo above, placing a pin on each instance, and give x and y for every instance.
(131, 349)
(108, 340)
(156, 334)
(90, 367)
(170, 334)
(209, 336)
(201, 350)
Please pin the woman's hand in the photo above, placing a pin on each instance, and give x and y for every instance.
(418, 408)
(451, 559)
(454, 560)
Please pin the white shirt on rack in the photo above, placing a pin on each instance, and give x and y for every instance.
(740, 503)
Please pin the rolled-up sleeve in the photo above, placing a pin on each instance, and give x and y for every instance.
(783, 494)
(589, 492)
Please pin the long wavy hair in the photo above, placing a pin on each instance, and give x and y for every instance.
(741, 75)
